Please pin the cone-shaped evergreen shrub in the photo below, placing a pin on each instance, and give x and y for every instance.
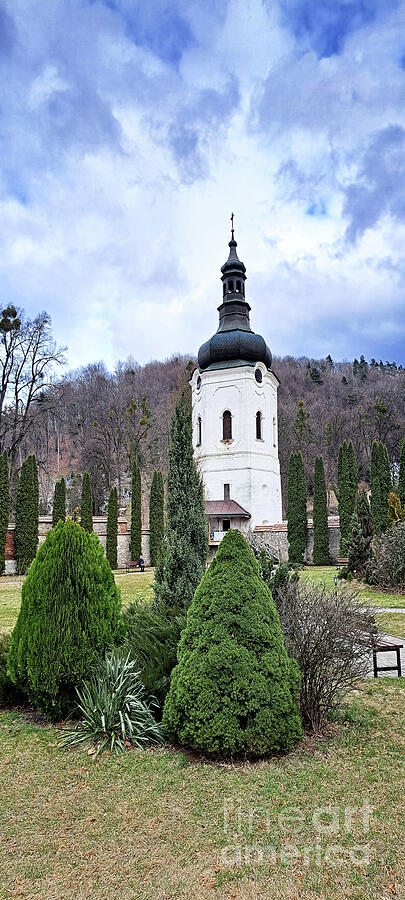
(26, 515)
(320, 555)
(296, 509)
(234, 689)
(135, 547)
(70, 614)
(156, 518)
(59, 502)
(112, 529)
(4, 506)
(86, 506)
(401, 480)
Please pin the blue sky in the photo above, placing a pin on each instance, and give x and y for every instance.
(129, 131)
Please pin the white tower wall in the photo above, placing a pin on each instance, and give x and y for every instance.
(248, 464)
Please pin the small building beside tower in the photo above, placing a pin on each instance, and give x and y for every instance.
(234, 398)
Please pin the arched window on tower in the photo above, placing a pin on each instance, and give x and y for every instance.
(199, 431)
(238, 287)
(227, 426)
(230, 287)
(224, 289)
(259, 429)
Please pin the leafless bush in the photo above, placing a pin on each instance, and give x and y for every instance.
(330, 634)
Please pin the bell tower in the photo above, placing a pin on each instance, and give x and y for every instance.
(234, 392)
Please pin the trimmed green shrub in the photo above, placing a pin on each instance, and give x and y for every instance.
(135, 546)
(185, 548)
(152, 638)
(114, 712)
(9, 693)
(4, 507)
(69, 616)
(86, 506)
(156, 518)
(59, 502)
(112, 529)
(320, 555)
(234, 690)
(297, 519)
(26, 515)
(359, 544)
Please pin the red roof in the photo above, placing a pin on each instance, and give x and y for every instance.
(225, 508)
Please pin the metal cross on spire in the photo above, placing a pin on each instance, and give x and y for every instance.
(232, 228)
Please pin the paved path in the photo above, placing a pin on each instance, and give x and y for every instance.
(388, 609)
(389, 658)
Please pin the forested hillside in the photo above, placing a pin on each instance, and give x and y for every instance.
(93, 419)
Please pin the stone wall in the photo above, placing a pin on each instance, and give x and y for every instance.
(274, 538)
(100, 529)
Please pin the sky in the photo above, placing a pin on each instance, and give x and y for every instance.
(131, 129)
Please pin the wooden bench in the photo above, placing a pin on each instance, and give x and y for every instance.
(131, 565)
(383, 645)
(342, 561)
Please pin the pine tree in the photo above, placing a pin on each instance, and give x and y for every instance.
(297, 522)
(320, 555)
(135, 547)
(185, 547)
(234, 690)
(4, 506)
(156, 517)
(69, 615)
(401, 480)
(86, 506)
(26, 515)
(59, 502)
(112, 529)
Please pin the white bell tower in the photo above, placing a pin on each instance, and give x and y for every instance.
(234, 394)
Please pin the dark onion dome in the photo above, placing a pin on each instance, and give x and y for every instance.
(234, 340)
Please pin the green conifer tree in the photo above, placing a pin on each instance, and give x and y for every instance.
(353, 477)
(69, 615)
(112, 528)
(345, 493)
(185, 547)
(26, 515)
(401, 479)
(156, 518)
(320, 555)
(136, 513)
(59, 502)
(86, 506)
(234, 690)
(297, 521)
(361, 535)
(385, 483)
(4, 506)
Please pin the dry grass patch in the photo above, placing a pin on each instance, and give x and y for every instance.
(150, 824)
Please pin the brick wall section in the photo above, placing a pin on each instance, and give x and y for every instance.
(274, 538)
(99, 527)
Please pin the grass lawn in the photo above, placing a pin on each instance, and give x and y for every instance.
(152, 824)
(324, 575)
(392, 623)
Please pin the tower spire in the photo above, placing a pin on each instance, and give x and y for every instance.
(232, 228)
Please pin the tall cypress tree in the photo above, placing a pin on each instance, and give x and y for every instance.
(353, 477)
(4, 506)
(346, 491)
(136, 513)
(185, 548)
(320, 555)
(26, 515)
(385, 482)
(86, 506)
(401, 480)
(358, 548)
(297, 522)
(112, 528)
(156, 517)
(59, 502)
(381, 485)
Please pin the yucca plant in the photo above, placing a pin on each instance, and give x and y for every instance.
(113, 710)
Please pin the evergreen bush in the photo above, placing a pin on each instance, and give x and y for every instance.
(69, 616)
(9, 693)
(381, 486)
(86, 506)
(234, 690)
(297, 521)
(185, 547)
(156, 518)
(152, 638)
(59, 502)
(346, 492)
(4, 507)
(112, 529)
(320, 555)
(26, 515)
(135, 547)
(359, 544)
